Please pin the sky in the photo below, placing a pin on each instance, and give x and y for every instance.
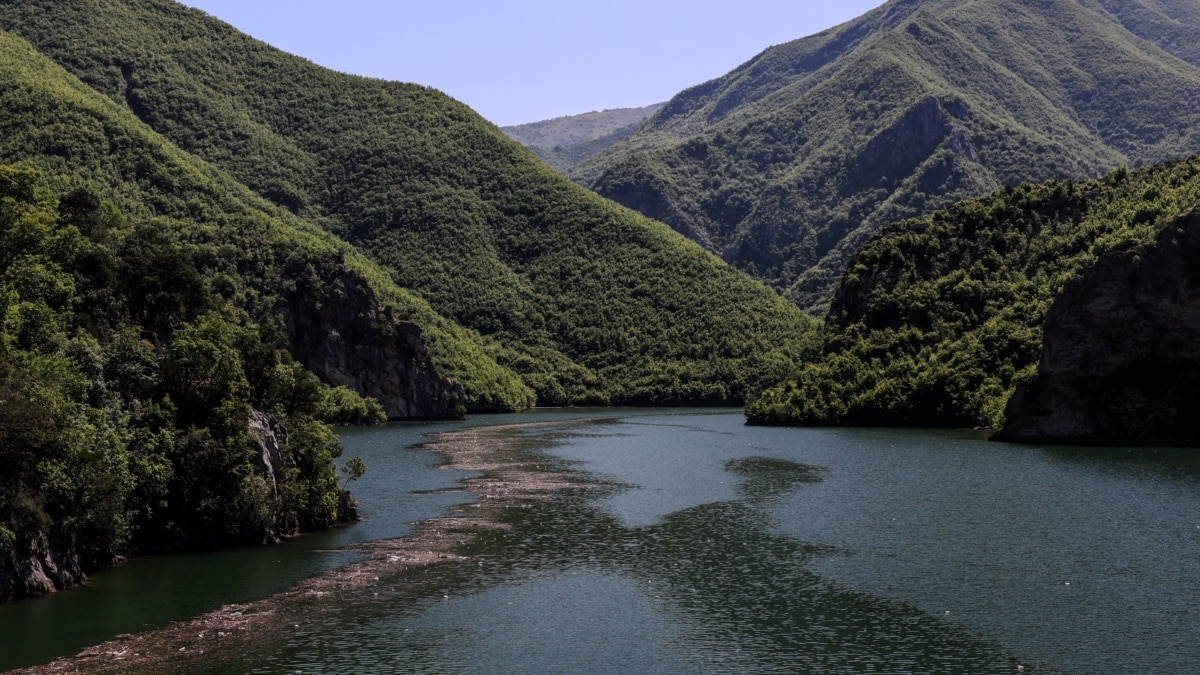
(529, 60)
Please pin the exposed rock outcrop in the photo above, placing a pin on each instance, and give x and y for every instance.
(339, 331)
(897, 151)
(1121, 351)
(273, 460)
(35, 568)
(270, 437)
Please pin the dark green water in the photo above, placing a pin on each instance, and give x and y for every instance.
(714, 547)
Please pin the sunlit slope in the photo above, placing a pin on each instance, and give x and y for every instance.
(587, 301)
(938, 319)
(242, 242)
(791, 162)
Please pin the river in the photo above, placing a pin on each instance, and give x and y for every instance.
(705, 546)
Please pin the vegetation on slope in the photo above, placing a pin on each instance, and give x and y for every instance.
(587, 302)
(140, 333)
(127, 389)
(564, 142)
(937, 319)
(257, 250)
(791, 162)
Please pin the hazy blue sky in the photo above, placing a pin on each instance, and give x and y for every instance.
(528, 60)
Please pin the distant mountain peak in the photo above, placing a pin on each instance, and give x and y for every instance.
(563, 142)
(524, 282)
(791, 161)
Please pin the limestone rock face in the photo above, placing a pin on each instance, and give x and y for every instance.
(339, 332)
(1121, 351)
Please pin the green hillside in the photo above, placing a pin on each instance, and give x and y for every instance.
(587, 302)
(791, 162)
(564, 142)
(165, 311)
(937, 319)
(144, 360)
(80, 138)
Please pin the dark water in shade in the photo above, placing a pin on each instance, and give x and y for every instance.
(711, 547)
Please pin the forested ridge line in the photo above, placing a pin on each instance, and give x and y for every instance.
(938, 319)
(583, 301)
(789, 163)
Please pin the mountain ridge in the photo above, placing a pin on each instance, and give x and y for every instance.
(427, 187)
(581, 128)
(938, 320)
(565, 142)
(770, 165)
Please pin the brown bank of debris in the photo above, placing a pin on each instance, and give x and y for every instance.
(509, 478)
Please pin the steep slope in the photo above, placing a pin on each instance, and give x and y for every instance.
(160, 331)
(588, 302)
(791, 162)
(564, 142)
(1121, 362)
(938, 319)
(262, 255)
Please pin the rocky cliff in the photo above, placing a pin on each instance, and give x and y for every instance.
(35, 568)
(1121, 351)
(339, 331)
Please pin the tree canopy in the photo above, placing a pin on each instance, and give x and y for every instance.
(567, 295)
(936, 319)
(791, 162)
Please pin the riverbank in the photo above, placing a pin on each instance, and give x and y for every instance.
(509, 476)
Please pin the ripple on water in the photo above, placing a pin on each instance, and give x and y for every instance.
(713, 547)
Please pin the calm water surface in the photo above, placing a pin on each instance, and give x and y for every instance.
(708, 546)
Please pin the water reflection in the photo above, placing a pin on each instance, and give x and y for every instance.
(707, 546)
(573, 588)
(150, 593)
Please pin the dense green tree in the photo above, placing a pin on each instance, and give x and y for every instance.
(116, 438)
(937, 319)
(565, 298)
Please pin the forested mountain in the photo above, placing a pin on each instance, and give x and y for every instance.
(564, 142)
(209, 250)
(938, 320)
(583, 300)
(788, 164)
(151, 396)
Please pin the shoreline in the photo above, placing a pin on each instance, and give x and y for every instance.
(507, 479)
